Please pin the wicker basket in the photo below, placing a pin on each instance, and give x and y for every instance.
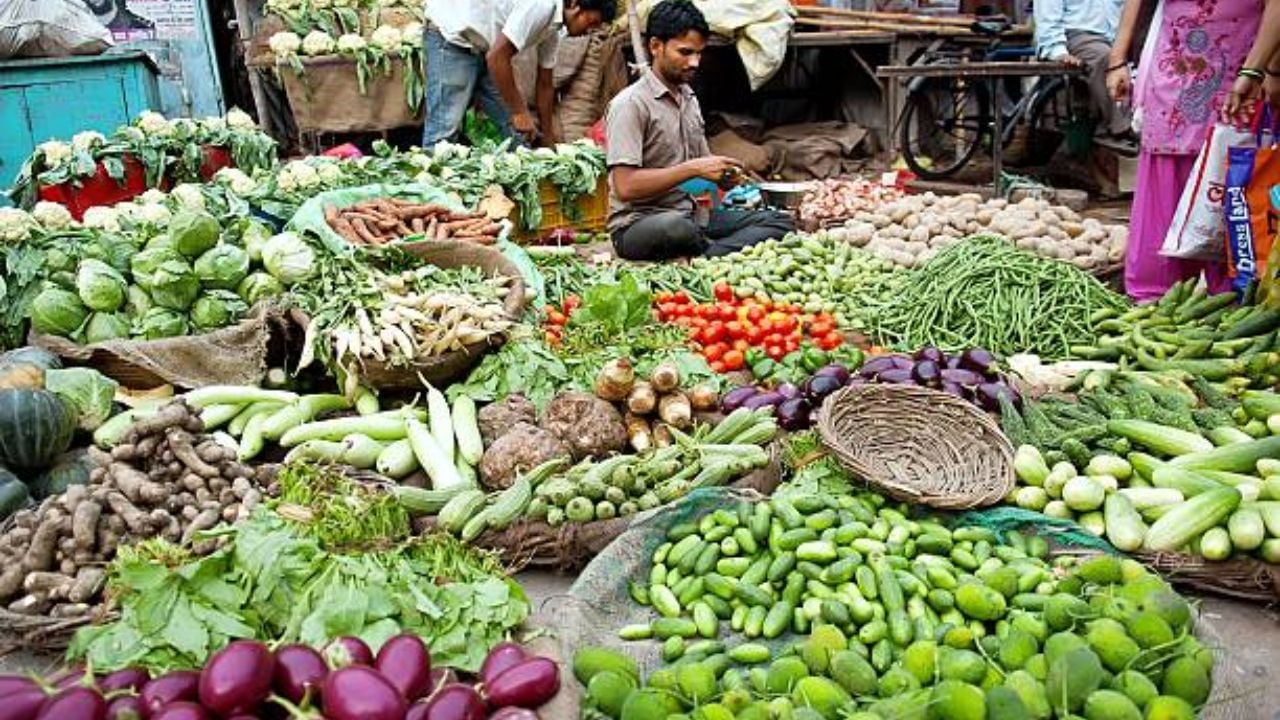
(918, 445)
(44, 634)
(441, 369)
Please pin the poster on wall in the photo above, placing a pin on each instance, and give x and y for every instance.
(147, 19)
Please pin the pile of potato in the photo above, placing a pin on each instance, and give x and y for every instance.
(164, 479)
(912, 230)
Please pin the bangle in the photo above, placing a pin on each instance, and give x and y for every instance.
(1251, 73)
(1123, 65)
(1273, 73)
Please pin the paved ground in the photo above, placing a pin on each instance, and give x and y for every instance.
(1248, 682)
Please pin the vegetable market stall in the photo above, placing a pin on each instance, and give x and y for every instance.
(357, 533)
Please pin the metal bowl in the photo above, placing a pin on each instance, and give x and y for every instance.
(785, 195)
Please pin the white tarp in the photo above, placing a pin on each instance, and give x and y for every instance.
(50, 28)
(761, 30)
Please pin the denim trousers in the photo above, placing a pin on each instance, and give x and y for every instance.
(455, 78)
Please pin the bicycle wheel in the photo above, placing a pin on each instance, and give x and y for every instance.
(1062, 114)
(942, 126)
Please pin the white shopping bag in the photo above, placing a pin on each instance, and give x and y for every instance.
(1198, 230)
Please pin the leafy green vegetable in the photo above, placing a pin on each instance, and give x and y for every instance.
(19, 285)
(194, 233)
(159, 322)
(617, 307)
(56, 311)
(523, 366)
(100, 286)
(145, 264)
(259, 285)
(106, 326)
(87, 390)
(222, 267)
(289, 258)
(174, 285)
(216, 309)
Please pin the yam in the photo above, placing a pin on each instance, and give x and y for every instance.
(136, 485)
(11, 581)
(87, 585)
(591, 427)
(39, 555)
(29, 605)
(205, 520)
(180, 443)
(134, 519)
(496, 419)
(522, 448)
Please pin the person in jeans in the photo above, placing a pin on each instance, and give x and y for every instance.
(656, 142)
(468, 52)
(1080, 33)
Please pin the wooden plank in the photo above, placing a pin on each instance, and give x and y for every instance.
(977, 69)
(840, 37)
(959, 21)
(938, 30)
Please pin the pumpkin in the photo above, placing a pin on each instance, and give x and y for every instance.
(13, 494)
(71, 468)
(36, 426)
(24, 367)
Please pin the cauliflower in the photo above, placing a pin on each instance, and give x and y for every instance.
(236, 180)
(55, 152)
(412, 34)
(386, 37)
(157, 215)
(302, 174)
(102, 218)
(15, 225)
(127, 212)
(153, 123)
(283, 6)
(188, 196)
(184, 127)
(284, 44)
(131, 134)
(151, 197)
(330, 173)
(87, 140)
(214, 124)
(351, 43)
(321, 4)
(344, 3)
(238, 119)
(52, 215)
(317, 42)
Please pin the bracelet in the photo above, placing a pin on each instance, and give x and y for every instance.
(1123, 65)
(1251, 73)
(1273, 73)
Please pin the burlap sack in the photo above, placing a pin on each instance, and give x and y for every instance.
(326, 97)
(235, 355)
(580, 105)
(754, 158)
(572, 545)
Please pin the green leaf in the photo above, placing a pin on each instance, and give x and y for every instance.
(154, 608)
(221, 622)
(185, 632)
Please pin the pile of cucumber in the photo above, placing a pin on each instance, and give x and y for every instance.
(844, 607)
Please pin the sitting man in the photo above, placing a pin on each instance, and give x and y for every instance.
(1079, 33)
(656, 142)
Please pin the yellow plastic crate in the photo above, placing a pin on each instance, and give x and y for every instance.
(592, 213)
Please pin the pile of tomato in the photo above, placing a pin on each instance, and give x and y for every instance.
(724, 330)
(556, 317)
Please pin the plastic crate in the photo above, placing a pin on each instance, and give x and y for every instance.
(592, 213)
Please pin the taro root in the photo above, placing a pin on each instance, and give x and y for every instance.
(592, 427)
(522, 449)
(497, 419)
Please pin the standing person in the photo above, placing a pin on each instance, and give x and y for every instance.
(1191, 58)
(656, 142)
(1079, 33)
(468, 52)
(1259, 77)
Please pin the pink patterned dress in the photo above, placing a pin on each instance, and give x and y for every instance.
(1186, 70)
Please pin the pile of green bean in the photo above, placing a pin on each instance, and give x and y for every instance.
(984, 292)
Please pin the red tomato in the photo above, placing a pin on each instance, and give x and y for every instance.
(714, 352)
(718, 366)
(741, 345)
(775, 352)
(555, 317)
(725, 312)
(766, 326)
(722, 291)
(552, 339)
(755, 313)
(831, 341)
(662, 296)
(666, 310)
(820, 328)
(791, 345)
(735, 329)
(786, 324)
(680, 297)
(774, 339)
(571, 303)
(733, 360)
(755, 335)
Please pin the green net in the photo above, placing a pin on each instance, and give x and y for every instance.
(1060, 532)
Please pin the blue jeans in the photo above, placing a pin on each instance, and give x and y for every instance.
(455, 77)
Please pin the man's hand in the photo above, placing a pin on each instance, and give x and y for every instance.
(549, 140)
(1071, 61)
(1119, 83)
(523, 123)
(713, 167)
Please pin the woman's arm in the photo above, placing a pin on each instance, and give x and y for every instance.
(1119, 82)
(1247, 89)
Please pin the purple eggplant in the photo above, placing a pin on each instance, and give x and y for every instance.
(456, 702)
(130, 678)
(955, 389)
(169, 688)
(237, 678)
(406, 662)
(794, 414)
(77, 703)
(902, 362)
(22, 705)
(989, 394)
(735, 398)
(837, 371)
(953, 362)
(182, 711)
(358, 692)
(896, 377)
(348, 651)
(418, 711)
(787, 391)
(440, 677)
(979, 361)
(930, 353)
(959, 376)
(927, 373)
(528, 685)
(126, 707)
(876, 365)
(10, 684)
(500, 659)
(299, 668)
(819, 387)
(514, 713)
(769, 398)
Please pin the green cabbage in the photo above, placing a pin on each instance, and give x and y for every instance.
(217, 309)
(258, 286)
(194, 233)
(114, 250)
(59, 259)
(87, 390)
(223, 267)
(104, 326)
(145, 263)
(289, 258)
(138, 302)
(57, 312)
(100, 287)
(255, 238)
(64, 279)
(159, 322)
(174, 285)
(163, 240)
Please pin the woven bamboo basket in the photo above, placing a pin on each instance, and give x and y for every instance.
(44, 634)
(918, 445)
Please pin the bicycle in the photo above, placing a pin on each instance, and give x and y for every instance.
(946, 119)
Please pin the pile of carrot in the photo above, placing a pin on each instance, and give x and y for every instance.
(386, 220)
